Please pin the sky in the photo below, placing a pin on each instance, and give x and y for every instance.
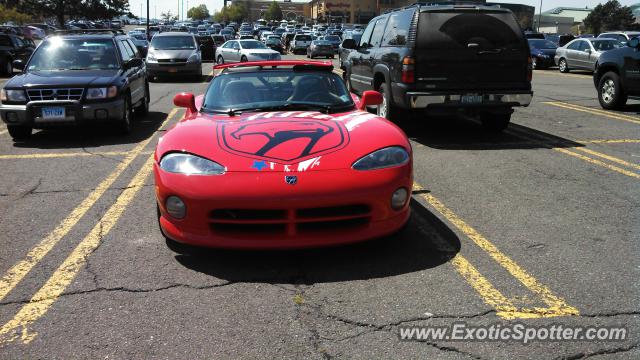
(159, 6)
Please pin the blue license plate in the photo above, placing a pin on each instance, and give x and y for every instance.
(471, 99)
(53, 113)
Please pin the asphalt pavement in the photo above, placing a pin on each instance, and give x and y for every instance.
(536, 226)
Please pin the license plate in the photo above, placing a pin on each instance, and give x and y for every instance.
(471, 99)
(173, 70)
(53, 113)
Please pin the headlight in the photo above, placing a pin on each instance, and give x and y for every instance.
(13, 95)
(188, 164)
(194, 58)
(383, 158)
(102, 93)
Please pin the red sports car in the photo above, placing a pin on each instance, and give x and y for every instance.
(281, 155)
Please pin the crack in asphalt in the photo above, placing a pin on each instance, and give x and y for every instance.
(616, 350)
(70, 191)
(101, 155)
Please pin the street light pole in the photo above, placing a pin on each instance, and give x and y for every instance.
(148, 20)
(540, 16)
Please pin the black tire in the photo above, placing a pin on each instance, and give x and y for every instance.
(534, 63)
(143, 109)
(611, 95)
(19, 132)
(563, 66)
(124, 124)
(244, 59)
(387, 110)
(7, 68)
(220, 60)
(495, 123)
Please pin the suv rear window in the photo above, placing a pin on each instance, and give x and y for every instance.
(303, 38)
(398, 28)
(490, 30)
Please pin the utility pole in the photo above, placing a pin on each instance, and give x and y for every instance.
(540, 16)
(148, 20)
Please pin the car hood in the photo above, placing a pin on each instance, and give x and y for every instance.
(283, 141)
(71, 78)
(172, 54)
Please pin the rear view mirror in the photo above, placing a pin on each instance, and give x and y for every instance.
(18, 64)
(349, 44)
(185, 100)
(370, 98)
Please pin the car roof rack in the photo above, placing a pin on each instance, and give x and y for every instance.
(90, 32)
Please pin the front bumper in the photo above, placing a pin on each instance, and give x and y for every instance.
(76, 113)
(297, 216)
(545, 62)
(154, 68)
(425, 100)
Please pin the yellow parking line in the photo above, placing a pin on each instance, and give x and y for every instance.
(631, 119)
(18, 271)
(609, 141)
(64, 275)
(62, 155)
(490, 295)
(610, 158)
(599, 163)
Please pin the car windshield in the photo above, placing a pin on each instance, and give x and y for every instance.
(252, 44)
(74, 54)
(303, 38)
(541, 44)
(273, 41)
(332, 38)
(277, 89)
(173, 43)
(604, 45)
(321, 42)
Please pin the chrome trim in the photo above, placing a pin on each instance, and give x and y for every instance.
(418, 100)
(62, 94)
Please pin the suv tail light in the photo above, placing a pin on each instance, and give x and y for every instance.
(408, 70)
(529, 68)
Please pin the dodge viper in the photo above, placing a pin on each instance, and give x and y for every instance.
(278, 154)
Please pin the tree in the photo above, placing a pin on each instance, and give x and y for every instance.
(12, 15)
(199, 12)
(274, 12)
(88, 9)
(610, 16)
(234, 12)
(167, 17)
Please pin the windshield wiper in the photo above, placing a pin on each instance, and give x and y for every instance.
(289, 106)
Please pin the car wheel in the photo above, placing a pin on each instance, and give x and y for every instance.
(386, 109)
(19, 132)
(495, 122)
(563, 66)
(143, 109)
(220, 60)
(610, 92)
(333, 56)
(124, 125)
(243, 59)
(534, 63)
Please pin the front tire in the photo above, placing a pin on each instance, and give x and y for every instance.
(19, 132)
(143, 109)
(611, 95)
(563, 66)
(220, 60)
(387, 110)
(124, 125)
(244, 59)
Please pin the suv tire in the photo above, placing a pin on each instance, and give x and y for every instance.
(611, 95)
(19, 132)
(124, 124)
(387, 110)
(495, 123)
(563, 66)
(143, 108)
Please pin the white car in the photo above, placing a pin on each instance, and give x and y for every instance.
(245, 50)
(265, 35)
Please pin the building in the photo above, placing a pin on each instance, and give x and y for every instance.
(578, 14)
(524, 13)
(351, 11)
(290, 10)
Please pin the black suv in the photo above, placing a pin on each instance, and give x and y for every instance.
(13, 47)
(76, 77)
(617, 75)
(447, 59)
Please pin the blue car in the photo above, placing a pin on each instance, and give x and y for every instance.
(542, 53)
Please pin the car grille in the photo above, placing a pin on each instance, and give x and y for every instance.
(172, 60)
(289, 221)
(267, 56)
(55, 94)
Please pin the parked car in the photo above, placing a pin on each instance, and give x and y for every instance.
(207, 47)
(271, 161)
(616, 77)
(623, 36)
(276, 45)
(141, 43)
(320, 48)
(74, 79)
(444, 60)
(174, 53)
(219, 40)
(300, 43)
(534, 35)
(542, 53)
(245, 50)
(344, 52)
(12, 48)
(583, 54)
(335, 42)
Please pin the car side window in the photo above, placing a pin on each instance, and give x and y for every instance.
(574, 45)
(398, 28)
(236, 45)
(378, 32)
(133, 48)
(366, 36)
(125, 52)
(583, 46)
(19, 42)
(622, 38)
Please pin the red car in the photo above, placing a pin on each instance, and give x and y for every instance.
(279, 155)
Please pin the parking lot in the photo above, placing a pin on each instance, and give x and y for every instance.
(537, 225)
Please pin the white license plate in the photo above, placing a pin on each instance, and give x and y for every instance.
(471, 99)
(53, 113)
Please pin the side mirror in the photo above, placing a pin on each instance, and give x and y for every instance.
(349, 44)
(18, 64)
(134, 62)
(634, 43)
(186, 100)
(370, 98)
